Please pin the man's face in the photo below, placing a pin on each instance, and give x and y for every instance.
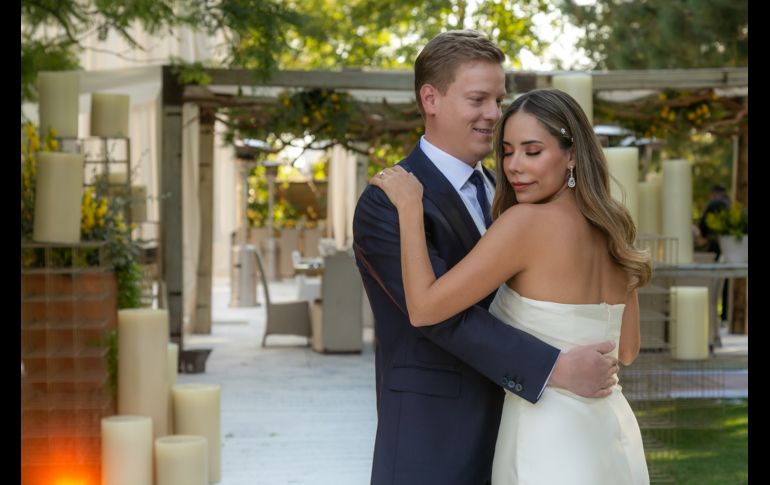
(461, 121)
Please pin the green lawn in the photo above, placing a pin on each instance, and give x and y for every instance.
(709, 444)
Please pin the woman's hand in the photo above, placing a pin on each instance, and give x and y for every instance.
(402, 188)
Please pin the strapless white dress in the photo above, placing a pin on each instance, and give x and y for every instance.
(565, 439)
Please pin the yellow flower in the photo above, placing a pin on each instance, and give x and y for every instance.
(305, 120)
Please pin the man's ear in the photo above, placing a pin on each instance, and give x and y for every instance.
(429, 96)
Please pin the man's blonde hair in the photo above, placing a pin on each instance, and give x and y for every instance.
(438, 61)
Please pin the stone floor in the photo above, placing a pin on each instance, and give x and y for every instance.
(289, 415)
(293, 416)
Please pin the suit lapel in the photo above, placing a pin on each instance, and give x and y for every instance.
(438, 189)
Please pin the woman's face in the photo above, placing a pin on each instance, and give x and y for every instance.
(534, 163)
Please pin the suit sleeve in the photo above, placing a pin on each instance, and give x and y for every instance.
(510, 357)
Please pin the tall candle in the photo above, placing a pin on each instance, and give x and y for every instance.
(172, 368)
(58, 197)
(677, 206)
(181, 460)
(58, 102)
(690, 311)
(649, 206)
(196, 412)
(580, 87)
(623, 165)
(109, 115)
(127, 450)
(142, 363)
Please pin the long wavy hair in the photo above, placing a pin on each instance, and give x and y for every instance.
(563, 117)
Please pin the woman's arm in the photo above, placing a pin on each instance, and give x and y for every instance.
(629, 330)
(483, 270)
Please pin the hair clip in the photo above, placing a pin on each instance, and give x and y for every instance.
(564, 134)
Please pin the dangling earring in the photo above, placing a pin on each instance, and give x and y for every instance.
(571, 181)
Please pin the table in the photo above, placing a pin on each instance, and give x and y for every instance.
(308, 273)
(716, 271)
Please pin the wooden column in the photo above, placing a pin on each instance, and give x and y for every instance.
(202, 320)
(740, 322)
(171, 200)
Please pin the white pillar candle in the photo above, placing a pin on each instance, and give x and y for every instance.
(127, 450)
(649, 205)
(677, 206)
(181, 460)
(196, 412)
(109, 115)
(58, 198)
(172, 368)
(58, 101)
(623, 165)
(690, 311)
(580, 87)
(142, 362)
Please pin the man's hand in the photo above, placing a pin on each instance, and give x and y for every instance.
(586, 371)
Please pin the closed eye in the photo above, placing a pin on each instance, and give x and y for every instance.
(533, 154)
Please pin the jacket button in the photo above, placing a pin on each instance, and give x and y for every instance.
(518, 388)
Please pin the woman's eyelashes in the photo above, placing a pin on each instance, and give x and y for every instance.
(529, 154)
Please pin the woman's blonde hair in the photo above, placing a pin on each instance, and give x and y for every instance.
(563, 117)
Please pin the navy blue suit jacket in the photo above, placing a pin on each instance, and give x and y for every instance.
(439, 388)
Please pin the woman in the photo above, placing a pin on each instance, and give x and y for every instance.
(561, 252)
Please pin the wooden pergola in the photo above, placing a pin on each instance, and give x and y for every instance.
(398, 86)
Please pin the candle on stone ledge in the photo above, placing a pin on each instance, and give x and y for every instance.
(649, 205)
(196, 412)
(623, 166)
(58, 103)
(58, 197)
(181, 460)
(127, 450)
(580, 87)
(690, 312)
(109, 115)
(142, 363)
(677, 206)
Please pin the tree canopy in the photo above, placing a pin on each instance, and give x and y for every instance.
(663, 34)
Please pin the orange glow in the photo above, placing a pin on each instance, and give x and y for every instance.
(70, 481)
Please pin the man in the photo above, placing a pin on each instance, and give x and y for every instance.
(439, 395)
(718, 202)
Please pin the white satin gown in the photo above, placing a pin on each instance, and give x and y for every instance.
(565, 439)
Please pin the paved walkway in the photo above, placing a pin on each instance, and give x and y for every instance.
(292, 416)
(289, 415)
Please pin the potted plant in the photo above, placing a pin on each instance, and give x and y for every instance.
(732, 227)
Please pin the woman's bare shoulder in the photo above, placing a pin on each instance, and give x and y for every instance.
(529, 213)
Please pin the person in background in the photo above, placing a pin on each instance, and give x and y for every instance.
(718, 201)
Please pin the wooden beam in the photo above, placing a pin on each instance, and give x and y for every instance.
(517, 81)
